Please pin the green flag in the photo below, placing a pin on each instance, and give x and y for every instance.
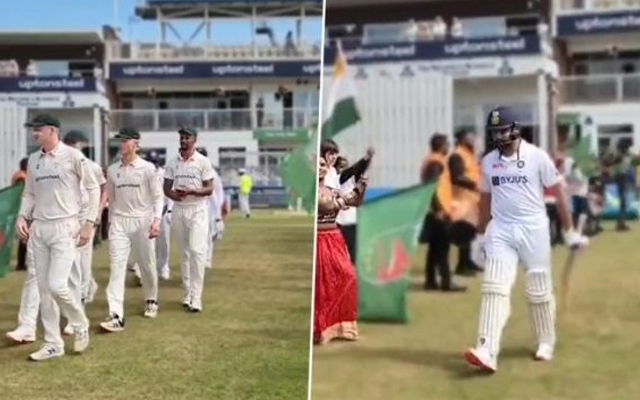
(580, 151)
(298, 172)
(9, 208)
(387, 237)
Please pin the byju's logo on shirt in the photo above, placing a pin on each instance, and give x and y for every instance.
(503, 180)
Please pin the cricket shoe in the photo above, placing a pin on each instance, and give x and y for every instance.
(113, 324)
(186, 302)
(544, 353)
(80, 339)
(46, 352)
(151, 309)
(164, 274)
(21, 335)
(196, 306)
(481, 358)
(68, 330)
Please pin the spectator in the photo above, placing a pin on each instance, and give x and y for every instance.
(436, 225)
(31, 69)
(289, 45)
(439, 28)
(456, 30)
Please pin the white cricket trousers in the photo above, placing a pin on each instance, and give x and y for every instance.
(163, 245)
(507, 245)
(30, 300)
(243, 200)
(54, 252)
(130, 236)
(85, 261)
(191, 226)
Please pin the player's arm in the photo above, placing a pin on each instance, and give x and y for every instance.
(485, 204)
(157, 195)
(28, 196)
(551, 179)
(26, 206)
(111, 194)
(456, 168)
(89, 182)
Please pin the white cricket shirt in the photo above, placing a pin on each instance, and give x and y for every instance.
(516, 184)
(134, 190)
(189, 174)
(97, 171)
(54, 184)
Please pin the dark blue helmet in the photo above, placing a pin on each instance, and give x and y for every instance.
(502, 119)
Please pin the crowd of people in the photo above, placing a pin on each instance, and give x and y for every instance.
(65, 193)
(523, 198)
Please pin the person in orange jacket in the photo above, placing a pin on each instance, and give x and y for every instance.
(436, 225)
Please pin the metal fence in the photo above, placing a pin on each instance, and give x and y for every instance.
(214, 120)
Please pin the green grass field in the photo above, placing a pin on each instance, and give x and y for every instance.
(251, 341)
(596, 359)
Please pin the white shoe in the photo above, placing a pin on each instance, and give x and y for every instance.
(46, 352)
(21, 335)
(151, 309)
(482, 359)
(81, 340)
(68, 330)
(164, 274)
(196, 305)
(113, 324)
(186, 301)
(93, 289)
(544, 353)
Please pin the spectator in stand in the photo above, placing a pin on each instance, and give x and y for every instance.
(424, 32)
(289, 45)
(456, 30)
(411, 32)
(439, 28)
(31, 69)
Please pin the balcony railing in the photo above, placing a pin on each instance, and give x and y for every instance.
(213, 120)
(597, 5)
(600, 88)
(118, 51)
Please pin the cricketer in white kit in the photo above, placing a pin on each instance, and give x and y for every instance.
(82, 270)
(189, 182)
(81, 280)
(163, 242)
(517, 230)
(135, 210)
(51, 199)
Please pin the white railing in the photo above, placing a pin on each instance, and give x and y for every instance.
(213, 120)
(152, 51)
(597, 5)
(600, 88)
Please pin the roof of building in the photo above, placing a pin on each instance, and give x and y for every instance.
(54, 37)
(195, 8)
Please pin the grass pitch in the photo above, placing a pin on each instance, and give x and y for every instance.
(597, 353)
(250, 342)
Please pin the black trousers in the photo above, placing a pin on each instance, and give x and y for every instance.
(438, 253)
(349, 234)
(22, 256)
(621, 183)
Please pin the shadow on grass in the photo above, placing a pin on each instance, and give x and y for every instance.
(450, 362)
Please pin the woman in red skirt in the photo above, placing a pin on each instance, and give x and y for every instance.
(336, 292)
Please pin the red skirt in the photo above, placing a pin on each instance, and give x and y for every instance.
(336, 292)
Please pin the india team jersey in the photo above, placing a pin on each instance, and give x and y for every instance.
(134, 189)
(189, 174)
(54, 184)
(516, 184)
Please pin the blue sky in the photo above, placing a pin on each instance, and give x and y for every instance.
(93, 14)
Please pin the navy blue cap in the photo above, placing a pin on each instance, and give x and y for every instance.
(501, 118)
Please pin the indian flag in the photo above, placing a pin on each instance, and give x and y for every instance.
(341, 111)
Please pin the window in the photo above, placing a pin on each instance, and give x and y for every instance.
(610, 136)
